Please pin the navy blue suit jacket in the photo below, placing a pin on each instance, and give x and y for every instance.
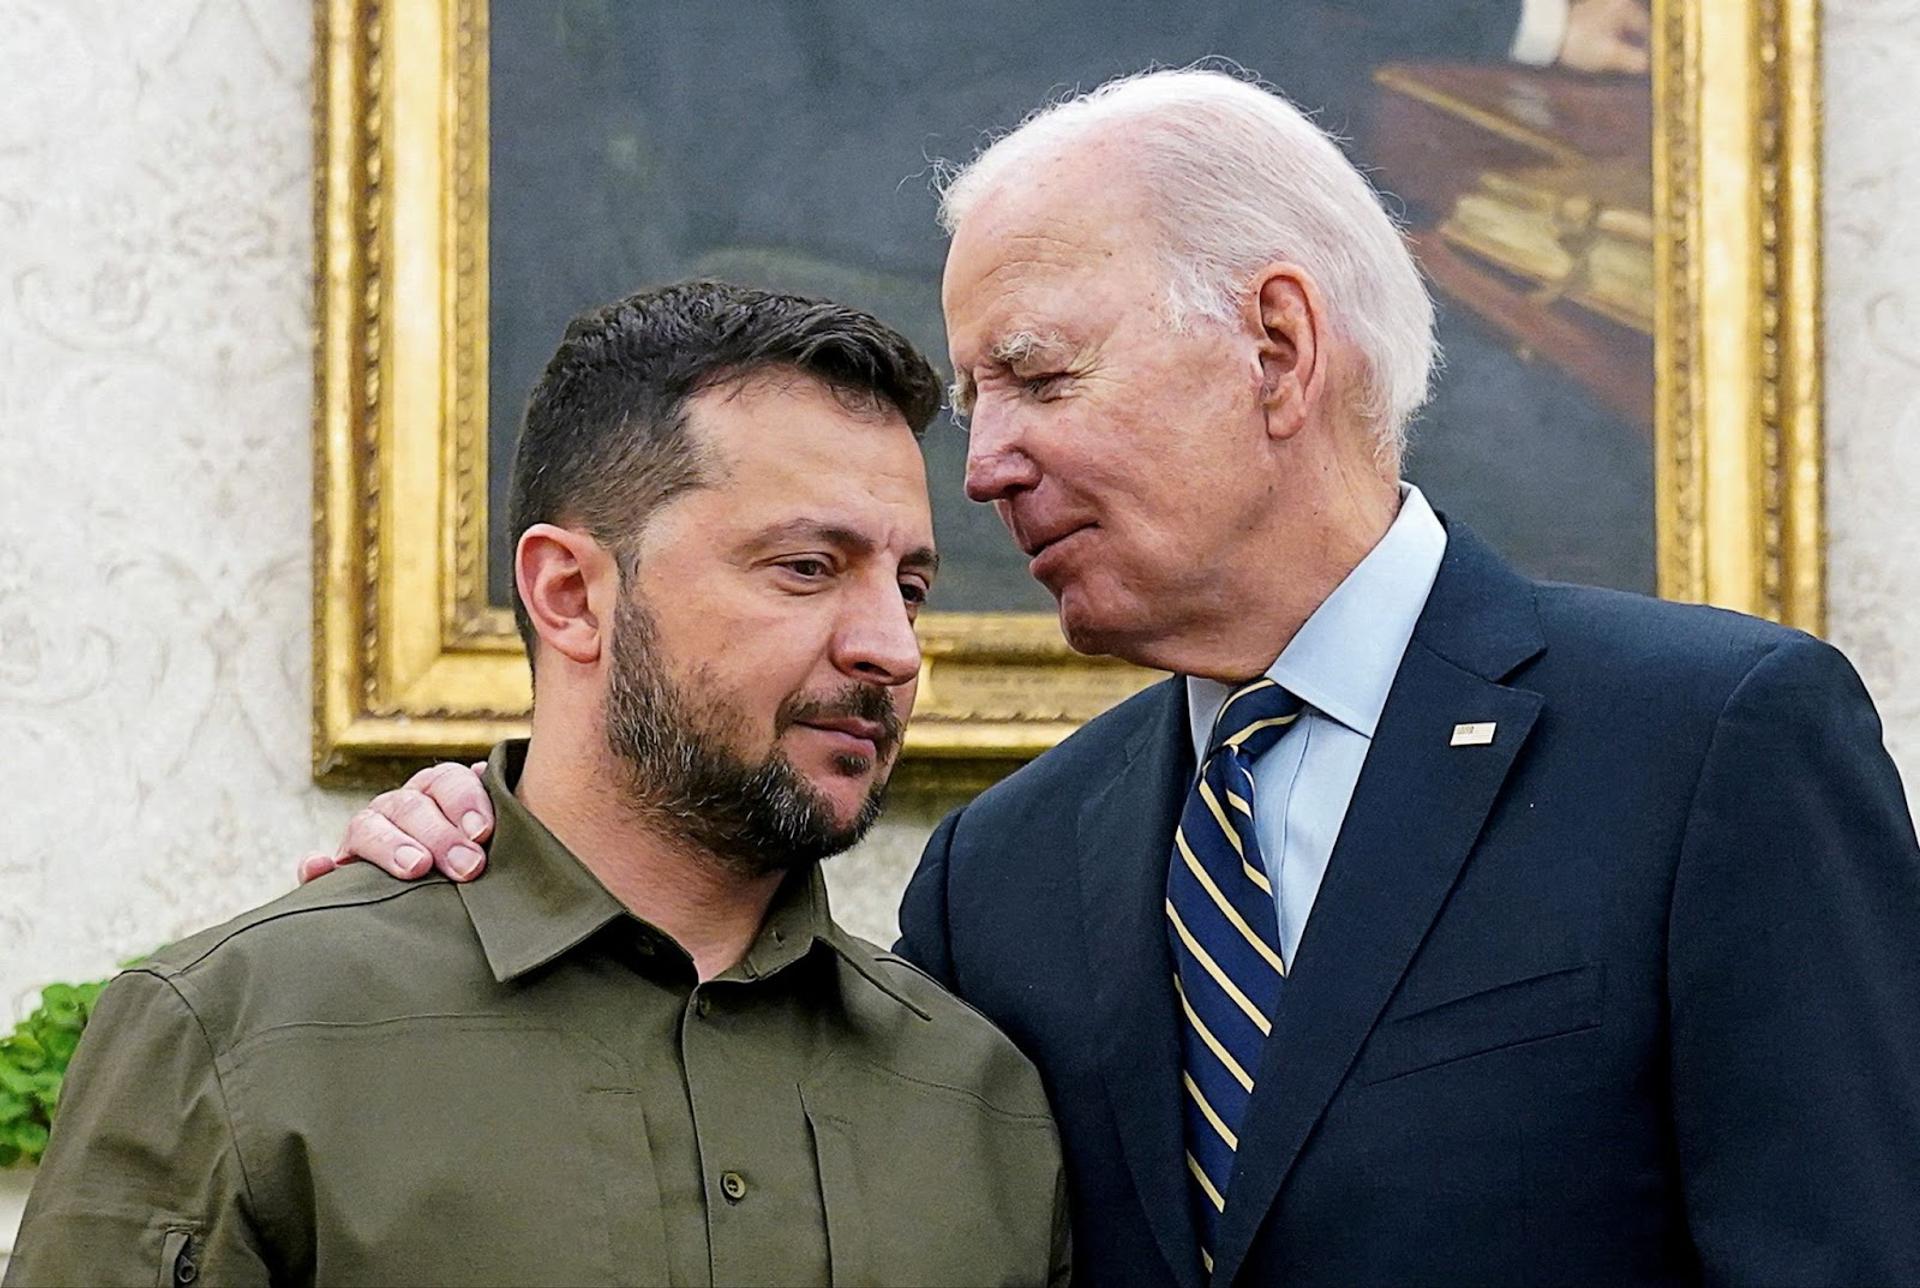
(1630, 995)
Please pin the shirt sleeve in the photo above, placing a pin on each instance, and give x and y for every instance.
(142, 1182)
(1543, 29)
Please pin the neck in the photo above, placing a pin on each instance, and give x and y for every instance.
(710, 909)
(1320, 540)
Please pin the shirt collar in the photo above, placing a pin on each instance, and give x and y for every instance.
(536, 901)
(1343, 660)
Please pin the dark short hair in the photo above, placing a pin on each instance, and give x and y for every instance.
(605, 440)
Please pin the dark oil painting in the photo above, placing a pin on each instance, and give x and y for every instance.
(792, 145)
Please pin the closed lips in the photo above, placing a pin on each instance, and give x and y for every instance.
(1035, 546)
(872, 732)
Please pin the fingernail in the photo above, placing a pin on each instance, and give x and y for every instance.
(410, 856)
(464, 860)
(473, 824)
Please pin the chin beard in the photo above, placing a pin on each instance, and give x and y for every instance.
(681, 774)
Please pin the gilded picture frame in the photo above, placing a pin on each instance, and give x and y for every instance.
(412, 661)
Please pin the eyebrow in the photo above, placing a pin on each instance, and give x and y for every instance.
(1004, 353)
(1017, 346)
(920, 559)
(960, 393)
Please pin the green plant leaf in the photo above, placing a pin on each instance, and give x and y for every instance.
(61, 1046)
(33, 1064)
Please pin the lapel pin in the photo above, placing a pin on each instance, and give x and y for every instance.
(1472, 735)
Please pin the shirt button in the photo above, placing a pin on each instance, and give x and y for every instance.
(733, 1185)
(701, 1006)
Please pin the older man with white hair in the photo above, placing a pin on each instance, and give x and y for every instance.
(1430, 924)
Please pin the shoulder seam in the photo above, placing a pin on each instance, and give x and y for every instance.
(863, 959)
(169, 973)
(897, 960)
(219, 1082)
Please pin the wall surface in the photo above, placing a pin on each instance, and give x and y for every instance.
(1872, 218)
(155, 380)
(155, 393)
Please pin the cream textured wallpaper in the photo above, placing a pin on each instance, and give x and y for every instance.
(155, 237)
(155, 240)
(1872, 218)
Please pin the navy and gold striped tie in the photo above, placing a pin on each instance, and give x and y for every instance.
(1225, 931)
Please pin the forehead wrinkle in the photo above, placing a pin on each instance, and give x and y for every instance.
(1043, 246)
(823, 530)
(1025, 253)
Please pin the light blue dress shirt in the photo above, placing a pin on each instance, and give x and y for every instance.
(1341, 664)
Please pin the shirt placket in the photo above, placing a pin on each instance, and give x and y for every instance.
(741, 1049)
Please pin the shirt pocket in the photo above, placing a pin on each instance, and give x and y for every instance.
(1533, 1009)
(928, 1184)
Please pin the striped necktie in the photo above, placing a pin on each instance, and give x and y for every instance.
(1226, 943)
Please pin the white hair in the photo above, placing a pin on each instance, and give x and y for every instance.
(1239, 178)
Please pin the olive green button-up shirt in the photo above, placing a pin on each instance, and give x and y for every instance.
(517, 1081)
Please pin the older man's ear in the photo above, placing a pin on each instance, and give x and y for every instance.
(1284, 305)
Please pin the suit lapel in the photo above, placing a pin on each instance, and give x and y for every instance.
(1416, 812)
(1124, 839)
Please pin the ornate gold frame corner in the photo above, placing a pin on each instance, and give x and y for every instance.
(411, 662)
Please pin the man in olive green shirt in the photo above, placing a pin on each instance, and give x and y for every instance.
(638, 1050)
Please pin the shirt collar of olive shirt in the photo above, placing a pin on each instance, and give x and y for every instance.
(537, 902)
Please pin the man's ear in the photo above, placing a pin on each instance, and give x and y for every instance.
(568, 582)
(1285, 314)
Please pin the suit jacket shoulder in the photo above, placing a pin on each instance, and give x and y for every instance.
(1662, 639)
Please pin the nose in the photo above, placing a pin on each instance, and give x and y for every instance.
(875, 642)
(997, 464)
